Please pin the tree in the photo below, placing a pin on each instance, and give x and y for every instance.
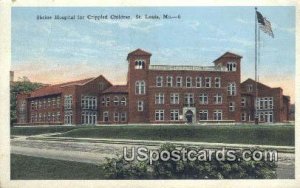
(23, 85)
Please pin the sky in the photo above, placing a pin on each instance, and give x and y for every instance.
(53, 51)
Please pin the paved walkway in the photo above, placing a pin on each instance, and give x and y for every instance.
(96, 150)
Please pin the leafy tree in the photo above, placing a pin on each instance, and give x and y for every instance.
(23, 85)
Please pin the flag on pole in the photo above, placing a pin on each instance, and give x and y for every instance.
(264, 24)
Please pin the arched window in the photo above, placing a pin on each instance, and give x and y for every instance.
(139, 64)
(140, 87)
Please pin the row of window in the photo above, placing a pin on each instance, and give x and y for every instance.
(89, 102)
(43, 103)
(264, 103)
(45, 117)
(116, 101)
(175, 115)
(118, 116)
(140, 86)
(188, 98)
(88, 117)
(199, 82)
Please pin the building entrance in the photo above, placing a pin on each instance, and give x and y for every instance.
(189, 116)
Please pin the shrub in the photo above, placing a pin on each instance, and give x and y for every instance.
(119, 168)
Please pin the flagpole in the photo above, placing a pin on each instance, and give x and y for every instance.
(255, 101)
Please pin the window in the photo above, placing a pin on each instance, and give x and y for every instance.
(243, 102)
(264, 103)
(123, 116)
(207, 82)
(68, 117)
(105, 116)
(159, 98)
(188, 81)
(139, 64)
(217, 82)
(103, 101)
(54, 102)
(218, 115)
(203, 98)
(231, 106)
(198, 82)
(123, 101)
(218, 99)
(101, 86)
(189, 99)
(169, 81)
(159, 81)
(244, 116)
(140, 106)
(174, 98)
(89, 102)
(49, 102)
(174, 115)
(32, 105)
(57, 102)
(68, 101)
(231, 66)
(45, 103)
(116, 101)
(36, 105)
(231, 89)
(140, 87)
(40, 117)
(116, 116)
(58, 116)
(40, 104)
(159, 115)
(203, 115)
(249, 88)
(178, 81)
(107, 101)
(88, 117)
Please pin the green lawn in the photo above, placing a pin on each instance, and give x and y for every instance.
(245, 134)
(36, 168)
(39, 130)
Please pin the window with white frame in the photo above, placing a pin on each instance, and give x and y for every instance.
(159, 98)
(189, 99)
(116, 117)
(57, 102)
(218, 98)
(88, 117)
(57, 115)
(188, 81)
(123, 101)
(218, 115)
(203, 115)
(244, 116)
(231, 66)
(140, 106)
(179, 81)
(159, 115)
(45, 103)
(123, 116)
(140, 87)
(217, 82)
(105, 116)
(169, 81)
(203, 98)
(198, 82)
(243, 102)
(68, 101)
(139, 64)
(88, 102)
(159, 81)
(116, 101)
(231, 89)
(174, 98)
(264, 103)
(174, 115)
(68, 117)
(231, 106)
(207, 82)
(53, 103)
(107, 101)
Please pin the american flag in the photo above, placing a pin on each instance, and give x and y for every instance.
(264, 24)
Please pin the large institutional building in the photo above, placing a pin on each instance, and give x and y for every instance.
(157, 94)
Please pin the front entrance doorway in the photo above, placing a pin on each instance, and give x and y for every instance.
(189, 116)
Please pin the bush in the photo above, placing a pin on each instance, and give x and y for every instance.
(119, 168)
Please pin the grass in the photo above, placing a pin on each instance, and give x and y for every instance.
(36, 168)
(244, 134)
(27, 131)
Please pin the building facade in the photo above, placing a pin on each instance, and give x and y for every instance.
(157, 94)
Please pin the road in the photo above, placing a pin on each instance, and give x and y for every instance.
(97, 152)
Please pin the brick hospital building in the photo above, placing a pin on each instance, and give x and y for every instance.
(157, 94)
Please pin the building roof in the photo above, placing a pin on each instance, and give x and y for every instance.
(228, 54)
(116, 89)
(57, 88)
(139, 52)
